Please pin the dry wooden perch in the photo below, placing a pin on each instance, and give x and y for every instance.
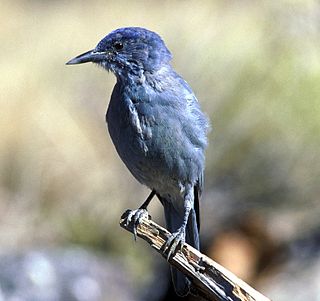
(209, 279)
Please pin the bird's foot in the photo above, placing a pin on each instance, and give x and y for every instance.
(175, 242)
(135, 217)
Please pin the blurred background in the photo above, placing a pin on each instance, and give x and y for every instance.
(255, 68)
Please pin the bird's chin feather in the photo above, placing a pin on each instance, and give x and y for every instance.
(104, 65)
(116, 67)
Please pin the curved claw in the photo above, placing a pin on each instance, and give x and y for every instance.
(174, 243)
(135, 217)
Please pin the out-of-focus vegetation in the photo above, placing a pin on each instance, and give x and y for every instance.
(255, 67)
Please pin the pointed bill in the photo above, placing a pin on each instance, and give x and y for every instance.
(89, 56)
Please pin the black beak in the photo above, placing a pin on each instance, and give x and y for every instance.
(90, 56)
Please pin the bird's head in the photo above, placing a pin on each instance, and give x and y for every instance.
(128, 50)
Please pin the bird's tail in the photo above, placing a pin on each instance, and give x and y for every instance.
(174, 220)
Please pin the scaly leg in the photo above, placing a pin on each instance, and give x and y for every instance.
(177, 239)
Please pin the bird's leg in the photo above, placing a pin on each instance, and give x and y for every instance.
(148, 200)
(138, 214)
(177, 239)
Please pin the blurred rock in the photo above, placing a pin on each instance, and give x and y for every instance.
(244, 246)
(62, 275)
(297, 276)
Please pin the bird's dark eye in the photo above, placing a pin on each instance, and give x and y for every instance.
(118, 45)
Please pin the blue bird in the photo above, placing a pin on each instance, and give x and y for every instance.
(158, 129)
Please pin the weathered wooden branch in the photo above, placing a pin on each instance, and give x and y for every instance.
(209, 279)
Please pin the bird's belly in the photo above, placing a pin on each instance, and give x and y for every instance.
(154, 166)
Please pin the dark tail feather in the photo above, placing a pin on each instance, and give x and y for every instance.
(180, 282)
(174, 220)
